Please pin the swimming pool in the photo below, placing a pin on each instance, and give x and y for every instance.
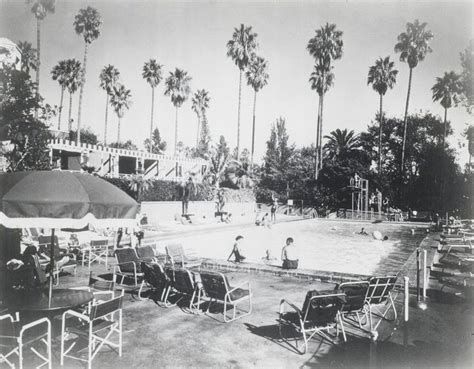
(323, 245)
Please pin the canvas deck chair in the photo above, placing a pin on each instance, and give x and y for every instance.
(379, 300)
(321, 313)
(128, 266)
(217, 288)
(14, 339)
(44, 244)
(156, 280)
(354, 307)
(97, 251)
(175, 256)
(147, 254)
(183, 284)
(96, 328)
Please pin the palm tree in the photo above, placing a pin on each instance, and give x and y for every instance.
(447, 90)
(121, 101)
(382, 76)
(200, 102)
(340, 144)
(73, 72)
(177, 87)
(413, 45)
(241, 49)
(40, 9)
(28, 57)
(109, 77)
(325, 47)
(152, 74)
(59, 73)
(87, 24)
(257, 77)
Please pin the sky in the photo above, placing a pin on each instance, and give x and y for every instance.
(193, 36)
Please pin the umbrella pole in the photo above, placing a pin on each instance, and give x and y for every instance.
(51, 265)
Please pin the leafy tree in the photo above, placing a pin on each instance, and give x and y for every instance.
(341, 144)
(200, 103)
(220, 156)
(241, 49)
(152, 73)
(87, 24)
(109, 77)
(88, 136)
(177, 87)
(382, 76)
(446, 90)
(203, 149)
(157, 146)
(127, 145)
(257, 77)
(139, 185)
(73, 81)
(325, 47)
(28, 57)
(413, 46)
(40, 9)
(121, 100)
(467, 64)
(60, 73)
(28, 136)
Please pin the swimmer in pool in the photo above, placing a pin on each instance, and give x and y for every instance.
(363, 232)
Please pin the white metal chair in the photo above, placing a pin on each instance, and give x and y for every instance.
(217, 288)
(97, 251)
(379, 300)
(128, 266)
(176, 256)
(14, 338)
(355, 305)
(98, 327)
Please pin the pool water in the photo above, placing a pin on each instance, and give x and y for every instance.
(322, 245)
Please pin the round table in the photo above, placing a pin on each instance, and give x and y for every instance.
(38, 301)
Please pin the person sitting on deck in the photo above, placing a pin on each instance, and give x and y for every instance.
(237, 250)
(289, 255)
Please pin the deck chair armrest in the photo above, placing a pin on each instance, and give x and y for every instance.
(99, 293)
(127, 262)
(75, 314)
(293, 306)
(34, 324)
(6, 316)
(239, 286)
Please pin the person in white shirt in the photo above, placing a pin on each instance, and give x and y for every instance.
(289, 255)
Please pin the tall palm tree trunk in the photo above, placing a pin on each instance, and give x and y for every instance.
(176, 132)
(81, 92)
(38, 49)
(405, 122)
(445, 126)
(198, 130)
(152, 111)
(380, 135)
(238, 115)
(316, 158)
(69, 119)
(321, 135)
(253, 129)
(60, 108)
(106, 117)
(118, 130)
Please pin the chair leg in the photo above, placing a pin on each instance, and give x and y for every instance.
(140, 290)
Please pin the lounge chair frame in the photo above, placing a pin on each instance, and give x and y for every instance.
(307, 328)
(217, 288)
(20, 342)
(175, 255)
(127, 257)
(379, 300)
(349, 310)
(155, 278)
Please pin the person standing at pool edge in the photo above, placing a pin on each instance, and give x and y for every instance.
(237, 250)
(289, 255)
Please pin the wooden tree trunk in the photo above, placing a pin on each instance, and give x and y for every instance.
(238, 115)
(69, 119)
(405, 123)
(106, 117)
(321, 134)
(152, 111)
(380, 135)
(60, 108)
(176, 133)
(38, 61)
(316, 148)
(81, 92)
(253, 128)
(118, 131)
(198, 130)
(445, 127)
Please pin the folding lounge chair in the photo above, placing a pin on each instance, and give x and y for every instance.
(44, 243)
(217, 288)
(379, 299)
(321, 313)
(103, 321)
(155, 278)
(14, 339)
(461, 261)
(356, 294)
(128, 266)
(176, 256)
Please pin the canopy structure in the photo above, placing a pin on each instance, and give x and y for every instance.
(59, 199)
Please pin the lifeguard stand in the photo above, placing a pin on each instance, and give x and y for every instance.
(360, 194)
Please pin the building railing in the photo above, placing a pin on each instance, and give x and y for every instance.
(371, 215)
